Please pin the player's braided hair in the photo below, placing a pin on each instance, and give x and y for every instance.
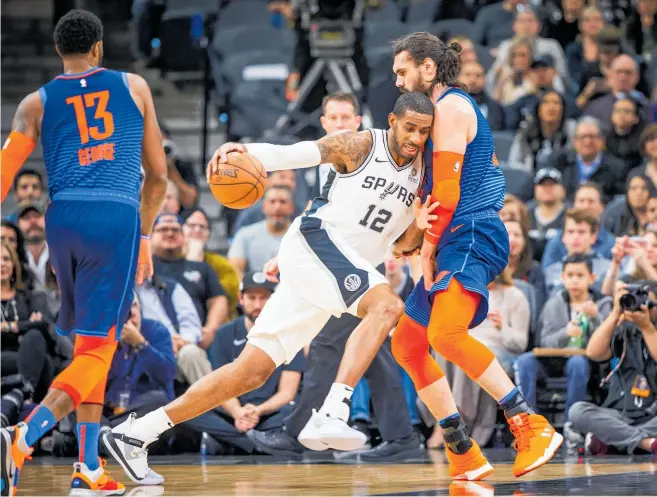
(77, 32)
(423, 45)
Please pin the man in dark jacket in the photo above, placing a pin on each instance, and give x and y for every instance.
(589, 162)
(474, 76)
(627, 419)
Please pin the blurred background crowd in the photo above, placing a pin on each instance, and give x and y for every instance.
(568, 88)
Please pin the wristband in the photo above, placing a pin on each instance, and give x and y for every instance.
(146, 237)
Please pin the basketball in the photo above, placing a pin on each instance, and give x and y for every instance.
(240, 182)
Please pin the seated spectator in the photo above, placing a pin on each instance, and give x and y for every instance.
(546, 216)
(167, 302)
(254, 245)
(509, 81)
(468, 53)
(30, 347)
(515, 210)
(32, 223)
(180, 172)
(543, 133)
(528, 26)
(13, 237)
(579, 233)
(265, 407)
(141, 376)
(622, 79)
(28, 187)
(254, 214)
(588, 161)
(197, 229)
(634, 259)
(587, 198)
(473, 76)
(648, 147)
(171, 204)
(197, 278)
(623, 139)
(568, 319)
(630, 217)
(545, 79)
(564, 22)
(494, 22)
(585, 49)
(615, 11)
(521, 264)
(640, 29)
(626, 420)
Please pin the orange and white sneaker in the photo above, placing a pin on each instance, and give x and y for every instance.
(470, 466)
(14, 453)
(536, 442)
(98, 482)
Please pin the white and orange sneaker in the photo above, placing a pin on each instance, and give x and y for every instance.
(536, 442)
(98, 482)
(14, 453)
(471, 466)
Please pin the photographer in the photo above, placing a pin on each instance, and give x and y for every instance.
(627, 419)
(180, 172)
(327, 10)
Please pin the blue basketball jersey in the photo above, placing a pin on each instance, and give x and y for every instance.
(92, 133)
(482, 181)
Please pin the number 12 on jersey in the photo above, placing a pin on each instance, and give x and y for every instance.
(379, 222)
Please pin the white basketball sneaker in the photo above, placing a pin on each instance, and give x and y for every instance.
(324, 432)
(126, 446)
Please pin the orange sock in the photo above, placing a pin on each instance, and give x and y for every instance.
(410, 347)
(87, 373)
(451, 315)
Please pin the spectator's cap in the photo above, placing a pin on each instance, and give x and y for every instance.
(543, 62)
(256, 279)
(168, 217)
(27, 206)
(609, 38)
(547, 173)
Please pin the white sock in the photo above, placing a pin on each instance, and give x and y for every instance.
(152, 425)
(336, 404)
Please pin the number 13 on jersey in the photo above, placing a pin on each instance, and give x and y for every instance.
(99, 101)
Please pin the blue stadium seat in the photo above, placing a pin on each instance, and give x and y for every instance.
(389, 12)
(382, 96)
(249, 13)
(503, 142)
(381, 34)
(422, 11)
(448, 28)
(519, 182)
(484, 56)
(262, 38)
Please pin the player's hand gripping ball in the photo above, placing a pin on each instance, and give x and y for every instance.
(237, 179)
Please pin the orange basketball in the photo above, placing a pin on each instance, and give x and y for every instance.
(240, 182)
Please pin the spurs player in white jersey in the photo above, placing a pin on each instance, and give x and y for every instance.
(327, 262)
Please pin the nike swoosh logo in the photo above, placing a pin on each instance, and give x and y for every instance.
(237, 343)
(456, 228)
(381, 161)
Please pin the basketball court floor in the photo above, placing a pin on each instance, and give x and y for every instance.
(324, 476)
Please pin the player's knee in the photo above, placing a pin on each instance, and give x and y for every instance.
(403, 346)
(253, 373)
(448, 340)
(390, 308)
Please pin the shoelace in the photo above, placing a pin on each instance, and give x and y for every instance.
(522, 434)
(105, 477)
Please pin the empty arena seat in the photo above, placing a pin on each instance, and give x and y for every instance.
(503, 142)
(519, 182)
(449, 28)
(381, 34)
(422, 11)
(382, 96)
(389, 12)
(484, 56)
(249, 13)
(262, 38)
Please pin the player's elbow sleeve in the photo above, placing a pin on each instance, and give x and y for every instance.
(448, 193)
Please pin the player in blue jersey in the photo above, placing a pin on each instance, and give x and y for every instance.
(464, 250)
(98, 129)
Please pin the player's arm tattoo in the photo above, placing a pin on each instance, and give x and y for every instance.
(26, 116)
(346, 150)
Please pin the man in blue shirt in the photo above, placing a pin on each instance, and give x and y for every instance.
(263, 408)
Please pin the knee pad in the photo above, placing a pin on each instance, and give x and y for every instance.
(454, 343)
(410, 348)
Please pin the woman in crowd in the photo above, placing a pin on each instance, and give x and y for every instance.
(630, 217)
(585, 49)
(29, 345)
(197, 233)
(544, 132)
(521, 264)
(633, 259)
(648, 147)
(515, 210)
(511, 81)
(14, 238)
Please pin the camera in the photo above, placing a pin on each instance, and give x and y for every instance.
(331, 35)
(637, 295)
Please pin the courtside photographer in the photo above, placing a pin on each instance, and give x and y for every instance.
(627, 419)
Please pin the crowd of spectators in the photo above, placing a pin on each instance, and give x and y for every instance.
(573, 82)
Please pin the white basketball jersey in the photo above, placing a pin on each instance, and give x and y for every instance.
(371, 206)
